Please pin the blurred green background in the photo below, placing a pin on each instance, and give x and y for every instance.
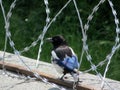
(28, 20)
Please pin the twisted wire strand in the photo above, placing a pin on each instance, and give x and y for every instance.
(17, 53)
(5, 46)
(81, 25)
(45, 29)
(6, 19)
(42, 36)
(85, 46)
(116, 41)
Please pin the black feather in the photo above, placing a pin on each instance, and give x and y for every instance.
(58, 41)
(62, 51)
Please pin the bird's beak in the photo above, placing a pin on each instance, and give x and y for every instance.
(49, 39)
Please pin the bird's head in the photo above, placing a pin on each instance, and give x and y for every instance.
(57, 41)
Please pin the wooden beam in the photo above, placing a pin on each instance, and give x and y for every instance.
(51, 78)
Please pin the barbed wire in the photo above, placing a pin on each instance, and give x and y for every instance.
(5, 46)
(81, 25)
(16, 52)
(43, 34)
(109, 57)
(45, 28)
(93, 67)
(85, 48)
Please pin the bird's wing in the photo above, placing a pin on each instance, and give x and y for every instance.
(63, 51)
(60, 53)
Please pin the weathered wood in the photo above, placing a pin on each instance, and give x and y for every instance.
(51, 78)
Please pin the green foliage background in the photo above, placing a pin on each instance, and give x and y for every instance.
(28, 20)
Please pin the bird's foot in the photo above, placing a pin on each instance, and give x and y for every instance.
(63, 78)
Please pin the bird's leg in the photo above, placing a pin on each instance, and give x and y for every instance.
(62, 77)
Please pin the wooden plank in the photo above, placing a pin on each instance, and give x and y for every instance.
(51, 78)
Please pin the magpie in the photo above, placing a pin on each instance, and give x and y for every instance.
(63, 57)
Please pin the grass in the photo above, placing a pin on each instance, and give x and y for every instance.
(24, 33)
(98, 49)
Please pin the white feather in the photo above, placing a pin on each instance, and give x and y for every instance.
(57, 67)
(54, 56)
(72, 51)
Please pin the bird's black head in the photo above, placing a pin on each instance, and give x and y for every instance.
(57, 41)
